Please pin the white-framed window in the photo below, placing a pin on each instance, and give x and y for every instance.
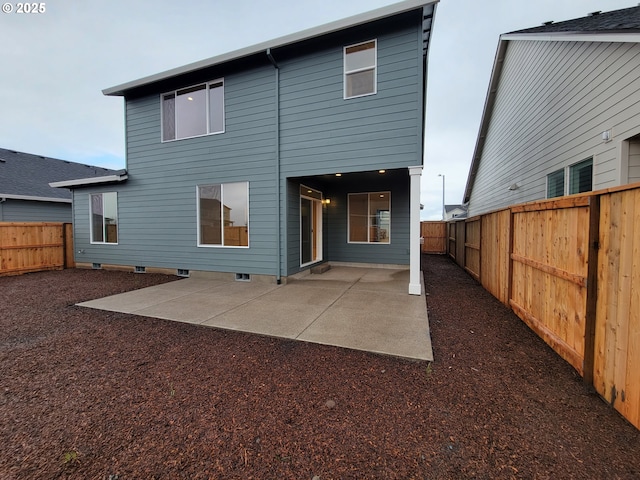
(193, 111)
(369, 217)
(581, 177)
(104, 217)
(360, 69)
(555, 184)
(223, 215)
(576, 178)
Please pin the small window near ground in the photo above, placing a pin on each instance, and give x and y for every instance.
(223, 215)
(193, 111)
(104, 217)
(360, 64)
(370, 217)
(581, 177)
(555, 184)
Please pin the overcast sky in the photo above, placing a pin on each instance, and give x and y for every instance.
(53, 66)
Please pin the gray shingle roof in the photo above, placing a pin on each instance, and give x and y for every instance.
(29, 175)
(626, 20)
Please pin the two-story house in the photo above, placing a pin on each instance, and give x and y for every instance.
(562, 113)
(271, 159)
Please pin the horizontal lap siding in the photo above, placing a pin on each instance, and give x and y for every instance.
(32, 211)
(553, 102)
(157, 205)
(395, 252)
(321, 132)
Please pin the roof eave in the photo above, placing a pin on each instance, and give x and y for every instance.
(602, 36)
(486, 116)
(9, 196)
(353, 21)
(80, 182)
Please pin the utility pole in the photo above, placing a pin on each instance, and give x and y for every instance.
(443, 209)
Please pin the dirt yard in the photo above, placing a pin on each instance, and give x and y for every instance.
(87, 394)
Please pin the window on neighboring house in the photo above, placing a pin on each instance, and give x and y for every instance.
(104, 217)
(370, 217)
(360, 64)
(223, 215)
(555, 184)
(193, 111)
(581, 177)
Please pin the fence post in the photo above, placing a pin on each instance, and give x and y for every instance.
(510, 260)
(592, 289)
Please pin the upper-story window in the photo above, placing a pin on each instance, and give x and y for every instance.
(360, 64)
(193, 111)
(581, 177)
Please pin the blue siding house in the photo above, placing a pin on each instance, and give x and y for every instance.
(271, 159)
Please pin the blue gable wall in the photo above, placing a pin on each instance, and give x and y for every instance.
(319, 133)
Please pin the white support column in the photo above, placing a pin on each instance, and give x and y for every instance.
(415, 285)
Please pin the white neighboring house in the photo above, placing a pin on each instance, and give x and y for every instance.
(455, 212)
(562, 113)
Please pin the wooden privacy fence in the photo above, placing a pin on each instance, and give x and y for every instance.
(570, 269)
(35, 246)
(434, 237)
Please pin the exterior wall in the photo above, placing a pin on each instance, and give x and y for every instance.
(335, 219)
(33, 211)
(553, 102)
(319, 133)
(395, 252)
(322, 133)
(157, 205)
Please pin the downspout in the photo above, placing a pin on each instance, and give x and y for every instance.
(278, 236)
(2, 200)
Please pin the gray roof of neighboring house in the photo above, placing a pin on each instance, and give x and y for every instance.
(449, 208)
(25, 176)
(617, 21)
(428, 7)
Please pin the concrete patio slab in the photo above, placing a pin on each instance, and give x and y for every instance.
(351, 307)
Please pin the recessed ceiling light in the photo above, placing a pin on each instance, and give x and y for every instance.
(338, 174)
(381, 171)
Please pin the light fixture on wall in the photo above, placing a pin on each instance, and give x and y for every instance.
(606, 136)
(514, 186)
(326, 201)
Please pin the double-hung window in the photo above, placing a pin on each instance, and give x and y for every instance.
(104, 217)
(360, 65)
(370, 217)
(193, 111)
(223, 214)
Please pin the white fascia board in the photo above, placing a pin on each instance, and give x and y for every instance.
(574, 37)
(380, 13)
(32, 198)
(88, 181)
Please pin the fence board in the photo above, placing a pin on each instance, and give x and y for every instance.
(617, 323)
(434, 235)
(472, 240)
(549, 274)
(494, 254)
(31, 247)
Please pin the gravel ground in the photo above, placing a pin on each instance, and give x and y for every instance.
(86, 394)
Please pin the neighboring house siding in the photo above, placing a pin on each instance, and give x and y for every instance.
(553, 102)
(157, 205)
(323, 133)
(32, 211)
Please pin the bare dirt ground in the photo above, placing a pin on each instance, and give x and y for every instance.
(87, 394)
